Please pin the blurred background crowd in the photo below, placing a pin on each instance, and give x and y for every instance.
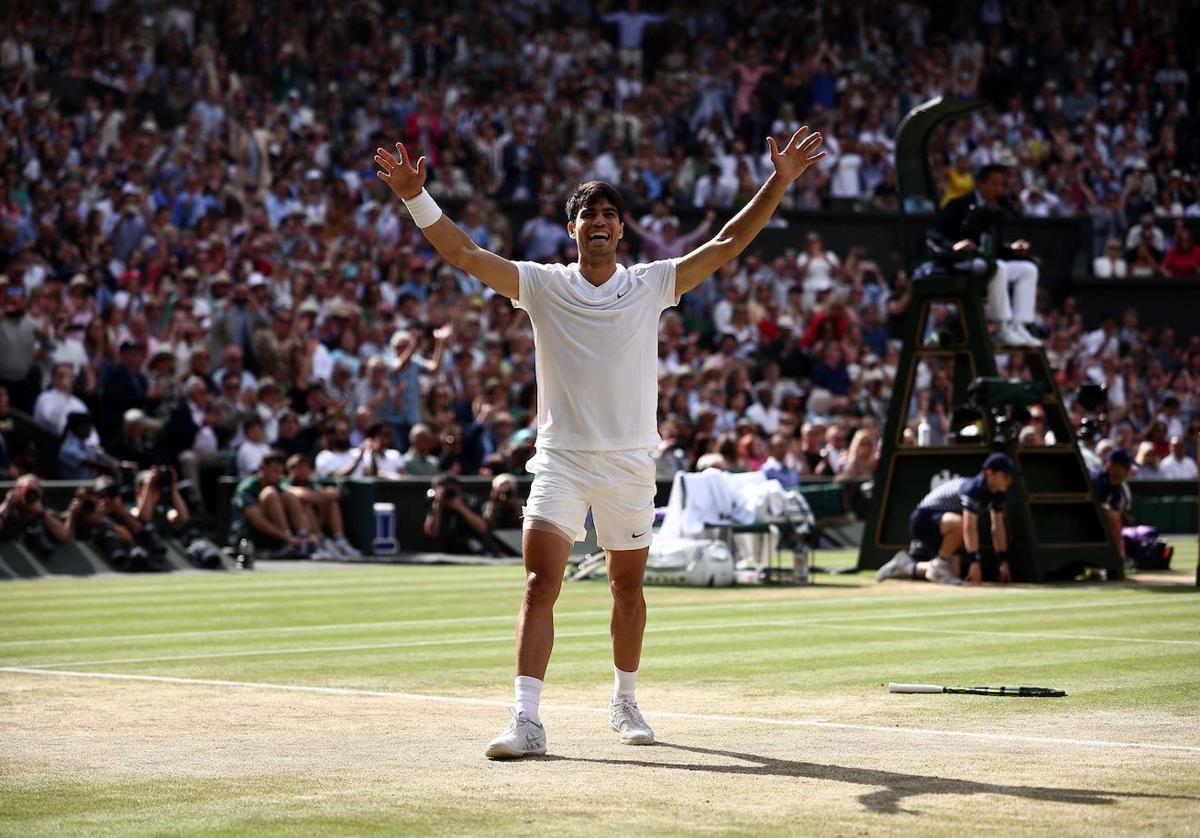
(200, 266)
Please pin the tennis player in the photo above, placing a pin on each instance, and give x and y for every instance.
(595, 326)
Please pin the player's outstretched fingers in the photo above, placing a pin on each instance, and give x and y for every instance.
(773, 146)
(402, 155)
(800, 132)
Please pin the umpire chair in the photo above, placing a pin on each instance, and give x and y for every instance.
(1055, 524)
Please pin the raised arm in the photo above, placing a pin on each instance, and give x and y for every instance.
(800, 153)
(441, 337)
(408, 183)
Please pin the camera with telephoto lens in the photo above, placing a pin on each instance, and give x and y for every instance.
(29, 496)
(447, 484)
(1093, 398)
(1007, 402)
(166, 480)
(87, 501)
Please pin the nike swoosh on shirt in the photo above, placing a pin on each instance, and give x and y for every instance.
(621, 294)
(639, 534)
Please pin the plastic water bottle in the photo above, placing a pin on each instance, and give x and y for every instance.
(245, 554)
(924, 433)
(800, 574)
(384, 542)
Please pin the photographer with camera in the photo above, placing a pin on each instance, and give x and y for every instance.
(503, 509)
(164, 514)
(24, 518)
(452, 525)
(101, 518)
(158, 491)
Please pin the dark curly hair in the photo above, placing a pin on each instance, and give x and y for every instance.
(587, 194)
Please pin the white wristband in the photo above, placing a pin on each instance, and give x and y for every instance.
(423, 209)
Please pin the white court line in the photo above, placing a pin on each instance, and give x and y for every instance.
(751, 624)
(666, 609)
(578, 708)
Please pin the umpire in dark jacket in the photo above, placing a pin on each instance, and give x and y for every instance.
(971, 224)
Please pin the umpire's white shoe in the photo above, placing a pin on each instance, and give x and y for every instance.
(627, 720)
(899, 566)
(1029, 338)
(939, 571)
(521, 738)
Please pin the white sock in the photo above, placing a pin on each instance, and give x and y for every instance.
(529, 694)
(624, 685)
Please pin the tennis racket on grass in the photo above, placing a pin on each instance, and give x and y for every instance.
(1022, 692)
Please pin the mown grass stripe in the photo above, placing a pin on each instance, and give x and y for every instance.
(567, 616)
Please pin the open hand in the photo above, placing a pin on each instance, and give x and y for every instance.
(401, 177)
(799, 153)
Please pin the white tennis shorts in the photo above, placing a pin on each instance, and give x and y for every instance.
(618, 486)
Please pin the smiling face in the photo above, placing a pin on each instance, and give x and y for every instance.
(596, 230)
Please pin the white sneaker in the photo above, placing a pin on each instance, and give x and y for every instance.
(899, 566)
(521, 738)
(1028, 337)
(939, 571)
(627, 720)
(1007, 335)
(345, 548)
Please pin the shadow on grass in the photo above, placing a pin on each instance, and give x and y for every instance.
(892, 787)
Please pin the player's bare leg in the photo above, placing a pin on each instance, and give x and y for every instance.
(626, 577)
(546, 555)
(546, 552)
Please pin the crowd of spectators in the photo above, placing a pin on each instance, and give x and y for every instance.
(199, 266)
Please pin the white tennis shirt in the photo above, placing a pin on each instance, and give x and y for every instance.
(597, 353)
